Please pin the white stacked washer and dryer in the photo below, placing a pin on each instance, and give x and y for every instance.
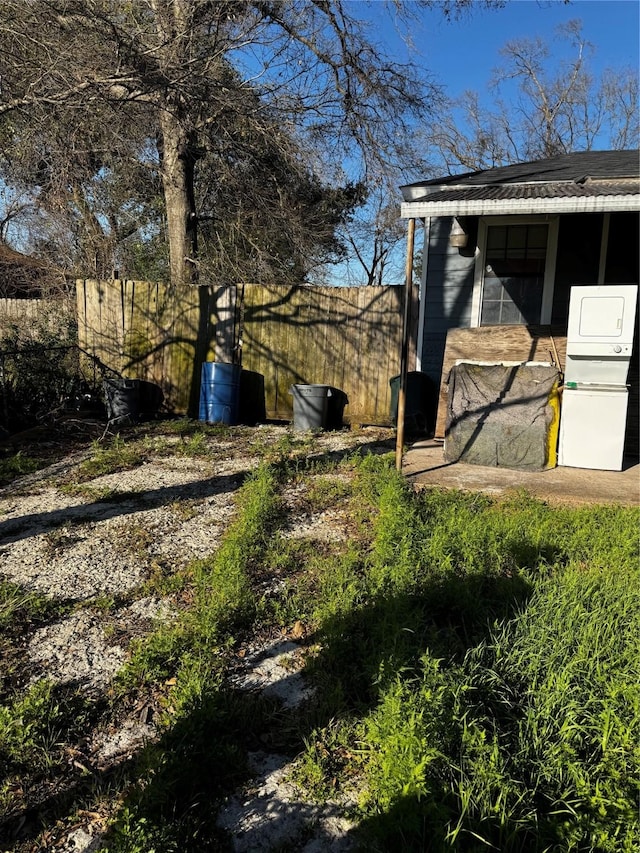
(594, 402)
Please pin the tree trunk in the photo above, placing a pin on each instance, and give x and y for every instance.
(174, 26)
(178, 165)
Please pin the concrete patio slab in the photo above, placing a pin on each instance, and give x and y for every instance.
(424, 465)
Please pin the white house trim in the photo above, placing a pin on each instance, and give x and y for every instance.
(521, 206)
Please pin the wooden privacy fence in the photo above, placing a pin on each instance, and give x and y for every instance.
(346, 337)
(152, 331)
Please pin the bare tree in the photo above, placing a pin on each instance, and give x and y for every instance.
(558, 107)
(372, 234)
(165, 86)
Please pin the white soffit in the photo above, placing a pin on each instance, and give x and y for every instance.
(526, 206)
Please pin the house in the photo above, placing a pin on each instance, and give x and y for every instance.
(21, 276)
(33, 293)
(503, 247)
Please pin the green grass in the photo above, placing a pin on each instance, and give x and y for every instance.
(27, 725)
(221, 587)
(14, 466)
(562, 680)
(35, 726)
(477, 665)
(487, 655)
(19, 605)
(117, 454)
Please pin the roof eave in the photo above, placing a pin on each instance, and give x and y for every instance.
(522, 206)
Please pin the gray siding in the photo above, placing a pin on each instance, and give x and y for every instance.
(448, 294)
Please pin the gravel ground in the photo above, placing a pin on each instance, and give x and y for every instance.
(93, 548)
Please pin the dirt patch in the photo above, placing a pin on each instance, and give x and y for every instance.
(95, 547)
(270, 814)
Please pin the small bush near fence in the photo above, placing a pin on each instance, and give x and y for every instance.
(39, 384)
(43, 373)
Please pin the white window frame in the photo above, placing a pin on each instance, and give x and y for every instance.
(549, 266)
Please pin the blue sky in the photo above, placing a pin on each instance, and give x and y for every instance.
(461, 54)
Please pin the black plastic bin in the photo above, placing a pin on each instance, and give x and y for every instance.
(122, 399)
(420, 402)
(150, 399)
(335, 408)
(252, 406)
(310, 405)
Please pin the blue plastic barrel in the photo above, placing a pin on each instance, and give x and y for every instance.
(219, 392)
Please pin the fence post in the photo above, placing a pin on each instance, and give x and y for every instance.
(225, 328)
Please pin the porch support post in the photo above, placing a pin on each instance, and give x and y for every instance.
(402, 392)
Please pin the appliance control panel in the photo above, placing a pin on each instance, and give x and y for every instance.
(603, 369)
(598, 350)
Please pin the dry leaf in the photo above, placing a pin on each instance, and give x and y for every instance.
(298, 630)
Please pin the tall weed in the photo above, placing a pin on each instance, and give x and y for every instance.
(223, 583)
(26, 726)
(116, 455)
(561, 684)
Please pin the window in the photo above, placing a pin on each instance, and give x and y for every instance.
(514, 275)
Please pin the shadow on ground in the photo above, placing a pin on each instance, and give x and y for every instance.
(174, 787)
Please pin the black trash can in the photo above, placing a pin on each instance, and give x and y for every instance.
(420, 402)
(150, 397)
(122, 399)
(310, 403)
(335, 408)
(252, 407)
